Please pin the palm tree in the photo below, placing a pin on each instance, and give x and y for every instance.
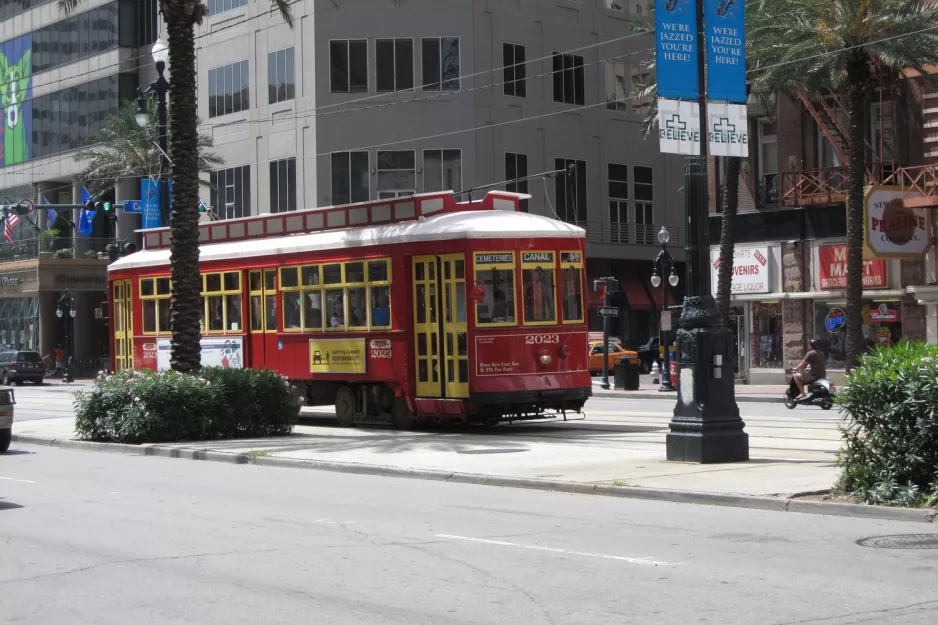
(839, 46)
(122, 149)
(181, 18)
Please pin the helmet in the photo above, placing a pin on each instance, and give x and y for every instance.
(813, 343)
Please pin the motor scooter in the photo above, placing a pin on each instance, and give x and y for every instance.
(819, 393)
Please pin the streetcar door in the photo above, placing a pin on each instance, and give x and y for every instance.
(123, 327)
(442, 346)
(262, 284)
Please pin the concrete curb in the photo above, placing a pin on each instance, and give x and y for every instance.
(753, 399)
(776, 504)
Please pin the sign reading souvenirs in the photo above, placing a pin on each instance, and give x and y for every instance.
(894, 230)
(494, 259)
(679, 127)
(750, 269)
(537, 257)
(727, 129)
(832, 269)
(676, 55)
(725, 24)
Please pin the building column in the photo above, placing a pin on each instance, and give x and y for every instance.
(127, 223)
(796, 326)
(931, 324)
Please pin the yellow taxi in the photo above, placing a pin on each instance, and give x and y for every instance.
(616, 352)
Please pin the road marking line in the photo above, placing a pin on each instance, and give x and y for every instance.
(13, 479)
(605, 556)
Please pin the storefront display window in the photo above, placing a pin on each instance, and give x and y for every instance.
(766, 338)
(882, 326)
(19, 323)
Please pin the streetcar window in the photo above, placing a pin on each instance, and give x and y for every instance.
(288, 277)
(146, 287)
(291, 310)
(358, 307)
(571, 287)
(155, 297)
(255, 281)
(312, 310)
(222, 302)
(335, 300)
(354, 273)
(163, 317)
(381, 301)
(538, 289)
(377, 271)
(270, 280)
(257, 298)
(332, 274)
(149, 317)
(311, 275)
(495, 276)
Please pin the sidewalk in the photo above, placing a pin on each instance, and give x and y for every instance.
(647, 390)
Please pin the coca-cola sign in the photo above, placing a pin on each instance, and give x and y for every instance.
(750, 269)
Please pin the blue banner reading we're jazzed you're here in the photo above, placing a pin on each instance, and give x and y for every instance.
(677, 65)
(725, 22)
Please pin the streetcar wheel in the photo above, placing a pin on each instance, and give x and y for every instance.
(345, 407)
(402, 416)
(492, 422)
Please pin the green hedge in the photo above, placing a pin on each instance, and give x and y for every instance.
(148, 407)
(890, 429)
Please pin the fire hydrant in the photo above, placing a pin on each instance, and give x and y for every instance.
(655, 375)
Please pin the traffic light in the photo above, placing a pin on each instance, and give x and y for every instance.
(202, 207)
(21, 209)
(120, 248)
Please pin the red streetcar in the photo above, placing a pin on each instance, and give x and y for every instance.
(403, 311)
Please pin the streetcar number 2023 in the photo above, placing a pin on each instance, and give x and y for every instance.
(541, 339)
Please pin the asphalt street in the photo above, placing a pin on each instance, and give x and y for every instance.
(95, 537)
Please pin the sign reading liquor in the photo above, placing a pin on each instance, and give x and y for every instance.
(676, 48)
(725, 24)
(832, 269)
(894, 230)
(727, 129)
(750, 269)
(679, 127)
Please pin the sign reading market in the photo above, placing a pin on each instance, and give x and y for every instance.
(832, 269)
(894, 230)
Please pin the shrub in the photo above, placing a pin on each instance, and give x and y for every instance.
(147, 407)
(65, 252)
(890, 429)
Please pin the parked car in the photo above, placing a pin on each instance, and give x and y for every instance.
(6, 417)
(616, 352)
(16, 367)
(649, 353)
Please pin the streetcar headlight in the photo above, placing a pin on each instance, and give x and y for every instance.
(545, 358)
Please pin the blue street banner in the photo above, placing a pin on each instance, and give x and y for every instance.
(676, 62)
(150, 196)
(725, 29)
(85, 196)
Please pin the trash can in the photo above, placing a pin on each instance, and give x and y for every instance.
(627, 372)
(6, 417)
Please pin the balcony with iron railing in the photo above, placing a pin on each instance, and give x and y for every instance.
(828, 185)
(60, 247)
(630, 234)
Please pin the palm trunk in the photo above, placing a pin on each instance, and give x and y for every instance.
(857, 74)
(185, 354)
(730, 205)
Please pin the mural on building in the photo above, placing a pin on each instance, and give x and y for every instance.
(15, 95)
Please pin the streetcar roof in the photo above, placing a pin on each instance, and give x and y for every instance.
(488, 224)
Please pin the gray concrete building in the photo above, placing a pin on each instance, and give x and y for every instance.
(370, 101)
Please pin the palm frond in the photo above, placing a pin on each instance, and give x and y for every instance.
(67, 6)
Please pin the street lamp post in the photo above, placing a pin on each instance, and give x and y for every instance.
(66, 311)
(160, 87)
(666, 262)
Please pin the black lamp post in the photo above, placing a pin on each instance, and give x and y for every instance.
(66, 311)
(160, 87)
(666, 262)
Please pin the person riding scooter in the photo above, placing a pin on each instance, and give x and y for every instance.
(816, 364)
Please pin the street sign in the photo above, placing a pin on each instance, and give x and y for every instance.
(133, 206)
(608, 311)
(665, 320)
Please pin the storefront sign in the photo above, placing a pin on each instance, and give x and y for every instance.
(835, 320)
(677, 65)
(725, 24)
(679, 127)
(882, 313)
(894, 230)
(216, 352)
(750, 269)
(21, 281)
(728, 129)
(832, 269)
(337, 356)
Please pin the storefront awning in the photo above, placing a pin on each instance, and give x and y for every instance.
(829, 295)
(637, 295)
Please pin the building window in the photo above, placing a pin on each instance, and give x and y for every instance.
(641, 79)
(768, 162)
(394, 64)
(348, 62)
(570, 190)
(644, 206)
(77, 37)
(514, 69)
(280, 82)
(441, 64)
(767, 335)
(220, 6)
(397, 173)
(283, 185)
(442, 170)
(229, 89)
(569, 79)
(516, 166)
(882, 327)
(155, 294)
(350, 178)
(616, 96)
(231, 192)
(618, 203)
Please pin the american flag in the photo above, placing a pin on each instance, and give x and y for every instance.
(9, 223)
